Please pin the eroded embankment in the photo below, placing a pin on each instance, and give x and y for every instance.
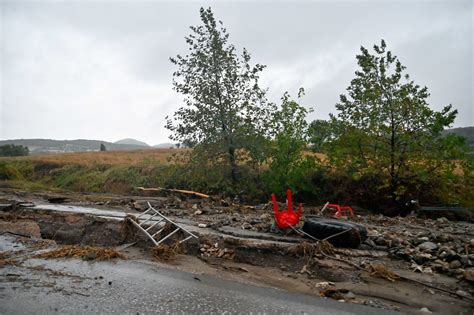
(100, 230)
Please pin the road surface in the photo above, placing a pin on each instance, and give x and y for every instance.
(72, 286)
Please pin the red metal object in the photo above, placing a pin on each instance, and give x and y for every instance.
(285, 219)
(341, 211)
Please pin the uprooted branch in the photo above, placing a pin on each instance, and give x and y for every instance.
(187, 192)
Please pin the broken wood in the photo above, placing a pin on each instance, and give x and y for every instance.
(188, 192)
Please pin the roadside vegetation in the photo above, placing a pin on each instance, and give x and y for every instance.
(382, 148)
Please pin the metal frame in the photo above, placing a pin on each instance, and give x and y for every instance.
(162, 218)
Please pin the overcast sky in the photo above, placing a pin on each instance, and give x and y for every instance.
(101, 70)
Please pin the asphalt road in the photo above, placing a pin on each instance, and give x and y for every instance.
(134, 287)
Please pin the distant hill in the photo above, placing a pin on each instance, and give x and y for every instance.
(131, 142)
(165, 146)
(45, 146)
(466, 132)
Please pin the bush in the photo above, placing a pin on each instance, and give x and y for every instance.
(13, 150)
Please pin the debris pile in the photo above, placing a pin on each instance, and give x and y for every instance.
(428, 245)
(214, 251)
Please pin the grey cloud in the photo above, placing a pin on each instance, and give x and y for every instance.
(101, 69)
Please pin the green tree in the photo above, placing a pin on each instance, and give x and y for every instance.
(289, 166)
(387, 127)
(320, 133)
(226, 111)
(13, 150)
(102, 147)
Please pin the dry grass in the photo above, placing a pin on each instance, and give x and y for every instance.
(83, 252)
(305, 249)
(381, 271)
(165, 252)
(110, 158)
(5, 260)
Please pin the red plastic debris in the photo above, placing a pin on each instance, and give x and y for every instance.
(287, 218)
(341, 211)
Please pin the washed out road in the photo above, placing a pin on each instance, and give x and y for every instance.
(73, 286)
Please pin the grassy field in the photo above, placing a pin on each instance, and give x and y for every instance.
(110, 171)
(107, 158)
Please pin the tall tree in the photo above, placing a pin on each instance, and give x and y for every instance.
(289, 167)
(226, 110)
(320, 133)
(387, 126)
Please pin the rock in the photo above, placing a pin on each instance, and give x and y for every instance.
(395, 242)
(246, 226)
(350, 295)
(442, 220)
(451, 255)
(197, 212)
(202, 225)
(455, 264)
(324, 284)
(427, 246)
(463, 293)
(369, 242)
(425, 310)
(469, 274)
(465, 260)
(421, 258)
(380, 241)
(459, 272)
(427, 270)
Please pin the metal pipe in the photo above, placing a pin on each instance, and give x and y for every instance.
(144, 212)
(167, 236)
(172, 222)
(157, 222)
(151, 217)
(143, 230)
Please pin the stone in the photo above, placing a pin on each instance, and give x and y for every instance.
(465, 260)
(451, 255)
(421, 258)
(369, 242)
(425, 310)
(469, 274)
(463, 293)
(455, 264)
(427, 246)
(380, 241)
(395, 242)
(350, 295)
(442, 220)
